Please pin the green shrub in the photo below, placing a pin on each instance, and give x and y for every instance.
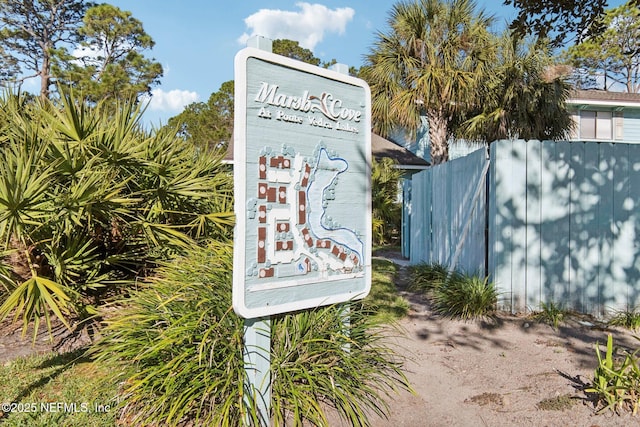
(455, 294)
(428, 277)
(90, 202)
(386, 208)
(616, 381)
(177, 346)
(465, 297)
(316, 362)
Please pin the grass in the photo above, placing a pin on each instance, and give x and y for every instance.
(629, 319)
(466, 297)
(557, 403)
(56, 390)
(428, 278)
(50, 381)
(552, 314)
(376, 250)
(384, 298)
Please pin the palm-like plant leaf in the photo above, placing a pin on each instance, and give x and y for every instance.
(74, 123)
(90, 202)
(520, 98)
(34, 298)
(24, 182)
(76, 261)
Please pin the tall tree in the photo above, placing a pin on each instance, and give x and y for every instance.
(113, 64)
(208, 124)
(8, 67)
(612, 57)
(292, 49)
(31, 31)
(211, 123)
(523, 97)
(431, 63)
(560, 20)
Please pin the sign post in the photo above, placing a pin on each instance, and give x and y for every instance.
(302, 156)
(257, 362)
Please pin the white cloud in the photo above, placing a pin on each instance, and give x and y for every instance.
(173, 101)
(307, 26)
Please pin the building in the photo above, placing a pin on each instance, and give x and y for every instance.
(603, 116)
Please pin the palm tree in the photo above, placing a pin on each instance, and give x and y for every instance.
(431, 64)
(524, 97)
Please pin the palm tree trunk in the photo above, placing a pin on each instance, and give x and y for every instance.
(439, 149)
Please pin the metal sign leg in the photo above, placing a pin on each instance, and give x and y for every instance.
(257, 362)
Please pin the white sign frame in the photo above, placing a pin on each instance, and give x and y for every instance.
(358, 127)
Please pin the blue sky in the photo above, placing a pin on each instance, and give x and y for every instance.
(196, 40)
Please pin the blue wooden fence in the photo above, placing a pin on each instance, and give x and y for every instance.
(448, 214)
(563, 222)
(564, 225)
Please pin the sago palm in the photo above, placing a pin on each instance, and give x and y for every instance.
(90, 202)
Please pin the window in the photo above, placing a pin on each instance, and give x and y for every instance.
(596, 125)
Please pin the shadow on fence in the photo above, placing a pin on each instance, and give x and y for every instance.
(563, 222)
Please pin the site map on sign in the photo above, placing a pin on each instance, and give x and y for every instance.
(296, 238)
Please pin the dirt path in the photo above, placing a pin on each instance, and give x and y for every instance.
(13, 344)
(510, 372)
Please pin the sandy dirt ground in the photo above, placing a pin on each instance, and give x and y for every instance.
(509, 372)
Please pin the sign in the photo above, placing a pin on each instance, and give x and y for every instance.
(302, 155)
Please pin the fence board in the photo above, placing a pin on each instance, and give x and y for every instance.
(419, 219)
(517, 193)
(622, 257)
(500, 250)
(589, 197)
(548, 225)
(533, 221)
(562, 198)
(633, 205)
(474, 260)
(577, 230)
(439, 248)
(446, 192)
(619, 224)
(494, 221)
(605, 213)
